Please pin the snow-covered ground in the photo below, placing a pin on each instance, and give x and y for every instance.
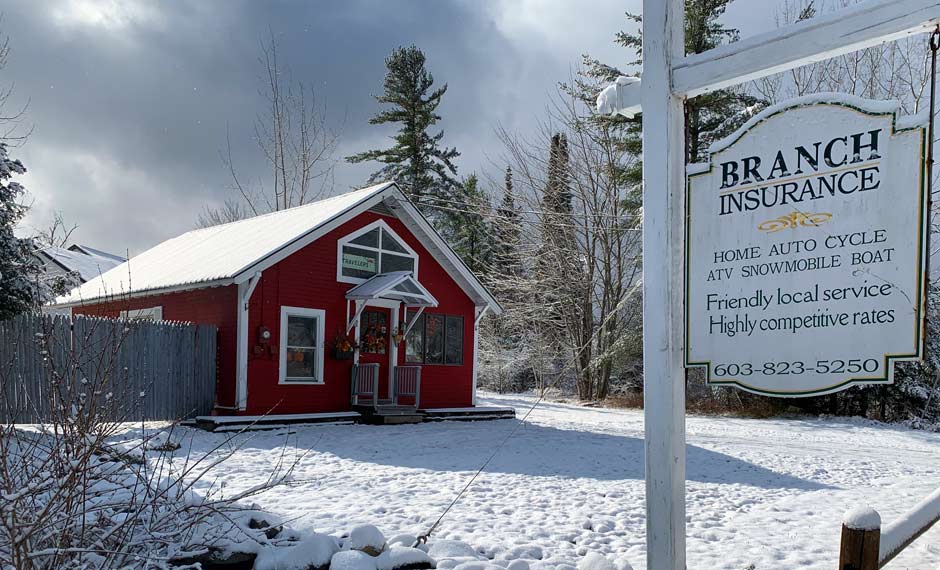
(762, 494)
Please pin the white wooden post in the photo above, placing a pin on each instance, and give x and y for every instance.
(244, 293)
(663, 235)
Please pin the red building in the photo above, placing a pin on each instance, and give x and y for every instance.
(351, 301)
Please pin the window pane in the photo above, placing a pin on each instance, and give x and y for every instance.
(359, 262)
(389, 243)
(370, 239)
(453, 350)
(414, 342)
(301, 331)
(391, 262)
(301, 364)
(434, 339)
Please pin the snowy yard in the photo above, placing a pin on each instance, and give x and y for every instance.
(762, 494)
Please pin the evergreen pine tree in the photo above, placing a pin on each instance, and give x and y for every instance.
(556, 263)
(714, 115)
(507, 255)
(421, 166)
(16, 268)
(469, 234)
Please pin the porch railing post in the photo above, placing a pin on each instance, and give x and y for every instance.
(375, 384)
(417, 387)
(861, 540)
(394, 387)
(353, 388)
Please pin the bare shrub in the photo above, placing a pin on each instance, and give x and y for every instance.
(86, 489)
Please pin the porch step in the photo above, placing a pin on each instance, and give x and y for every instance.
(271, 421)
(387, 414)
(473, 414)
(393, 410)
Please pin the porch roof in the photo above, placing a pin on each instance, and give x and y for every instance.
(397, 286)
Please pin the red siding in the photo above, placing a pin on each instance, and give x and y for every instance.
(308, 279)
(214, 305)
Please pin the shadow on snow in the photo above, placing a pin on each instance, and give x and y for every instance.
(533, 449)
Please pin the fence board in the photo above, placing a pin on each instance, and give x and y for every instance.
(53, 363)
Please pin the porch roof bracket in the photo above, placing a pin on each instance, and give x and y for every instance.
(360, 306)
(410, 323)
(479, 316)
(252, 283)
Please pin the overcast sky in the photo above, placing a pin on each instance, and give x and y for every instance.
(130, 100)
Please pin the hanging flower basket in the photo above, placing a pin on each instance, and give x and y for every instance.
(343, 347)
(342, 354)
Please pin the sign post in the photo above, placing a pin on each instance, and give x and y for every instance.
(664, 375)
(668, 78)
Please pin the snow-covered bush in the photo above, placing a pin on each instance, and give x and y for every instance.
(85, 491)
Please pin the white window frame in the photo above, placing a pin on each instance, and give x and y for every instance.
(343, 241)
(154, 314)
(320, 315)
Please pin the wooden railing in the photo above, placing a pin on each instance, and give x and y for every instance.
(408, 383)
(365, 384)
(866, 545)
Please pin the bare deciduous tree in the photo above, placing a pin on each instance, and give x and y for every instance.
(573, 309)
(295, 141)
(58, 233)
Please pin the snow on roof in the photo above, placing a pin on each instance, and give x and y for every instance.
(218, 253)
(86, 265)
(93, 251)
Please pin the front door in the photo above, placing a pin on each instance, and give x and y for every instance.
(374, 343)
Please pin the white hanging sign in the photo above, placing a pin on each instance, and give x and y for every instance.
(805, 244)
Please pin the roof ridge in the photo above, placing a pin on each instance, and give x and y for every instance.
(222, 227)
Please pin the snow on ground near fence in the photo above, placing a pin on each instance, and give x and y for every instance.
(765, 492)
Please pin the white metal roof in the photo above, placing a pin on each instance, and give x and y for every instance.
(88, 266)
(94, 251)
(215, 254)
(397, 285)
(232, 253)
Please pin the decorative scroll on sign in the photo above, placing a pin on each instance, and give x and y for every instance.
(805, 246)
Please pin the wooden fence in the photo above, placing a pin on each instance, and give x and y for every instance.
(867, 545)
(53, 366)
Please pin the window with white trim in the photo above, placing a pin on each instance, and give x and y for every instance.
(435, 339)
(149, 314)
(371, 250)
(301, 345)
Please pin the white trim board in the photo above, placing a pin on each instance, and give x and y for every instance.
(383, 226)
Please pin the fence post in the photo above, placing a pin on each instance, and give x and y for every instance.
(861, 539)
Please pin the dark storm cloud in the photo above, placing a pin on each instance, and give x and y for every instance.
(131, 100)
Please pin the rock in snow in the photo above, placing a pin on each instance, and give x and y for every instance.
(862, 518)
(403, 540)
(352, 560)
(313, 551)
(366, 538)
(595, 561)
(401, 556)
(456, 554)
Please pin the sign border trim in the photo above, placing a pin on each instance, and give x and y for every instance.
(919, 322)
